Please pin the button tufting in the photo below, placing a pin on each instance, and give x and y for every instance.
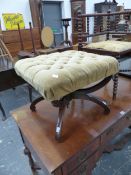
(60, 67)
(78, 62)
(47, 68)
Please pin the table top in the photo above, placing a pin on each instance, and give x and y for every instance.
(84, 121)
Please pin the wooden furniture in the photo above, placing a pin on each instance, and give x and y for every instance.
(65, 22)
(106, 31)
(69, 85)
(87, 132)
(12, 40)
(103, 7)
(76, 7)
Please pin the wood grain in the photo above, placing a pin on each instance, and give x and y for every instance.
(84, 123)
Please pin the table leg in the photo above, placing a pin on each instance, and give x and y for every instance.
(3, 112)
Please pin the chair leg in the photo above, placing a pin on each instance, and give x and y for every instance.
(60, 122)
(3, 112)
(115, 86)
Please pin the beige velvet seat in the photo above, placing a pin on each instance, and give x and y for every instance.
(58, 74)
(110, 45)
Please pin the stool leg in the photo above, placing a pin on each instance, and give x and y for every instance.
(32, 106)
(94, 99)
(115, 86)
(60, 122)
(3, 112)
(30, 92)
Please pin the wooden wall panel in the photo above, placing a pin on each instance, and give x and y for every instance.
(12, 40)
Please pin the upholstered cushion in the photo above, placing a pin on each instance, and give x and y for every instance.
(110, 45)
(58, 74)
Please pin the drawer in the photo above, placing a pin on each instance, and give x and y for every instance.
(114, 130)
(86, 167)
(80, 157)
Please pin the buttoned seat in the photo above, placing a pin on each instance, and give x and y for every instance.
(110, 45)
(58, 74)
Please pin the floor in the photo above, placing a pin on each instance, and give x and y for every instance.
(14, 162)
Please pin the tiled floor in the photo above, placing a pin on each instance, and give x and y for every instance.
(14, 162)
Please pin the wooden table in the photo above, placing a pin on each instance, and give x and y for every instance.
(86, 131)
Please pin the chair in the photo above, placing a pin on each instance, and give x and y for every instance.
(117, 49)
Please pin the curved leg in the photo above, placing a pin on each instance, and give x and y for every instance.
(3, 112)
(115, 86)
(30, 92)
(94, 99)
(32, 106)
(59, 122)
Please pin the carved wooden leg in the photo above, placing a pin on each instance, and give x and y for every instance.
(3, 112)
(115, 86)
(59, 122)
(32, 106)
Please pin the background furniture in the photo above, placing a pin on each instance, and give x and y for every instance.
(5, 55)
(9, 79)
(107, 31)
(103, 7)
(87, 133)
(77, 6)
(65, 22)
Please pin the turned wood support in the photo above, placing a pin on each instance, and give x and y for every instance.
(117, 19)
(108, 24)
(87, 25)
(79, 31)
(126, 23)
(101, 24)
(115, 86)
(32, 39)
(95, 24)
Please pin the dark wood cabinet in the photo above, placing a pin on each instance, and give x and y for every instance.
(76, 6)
